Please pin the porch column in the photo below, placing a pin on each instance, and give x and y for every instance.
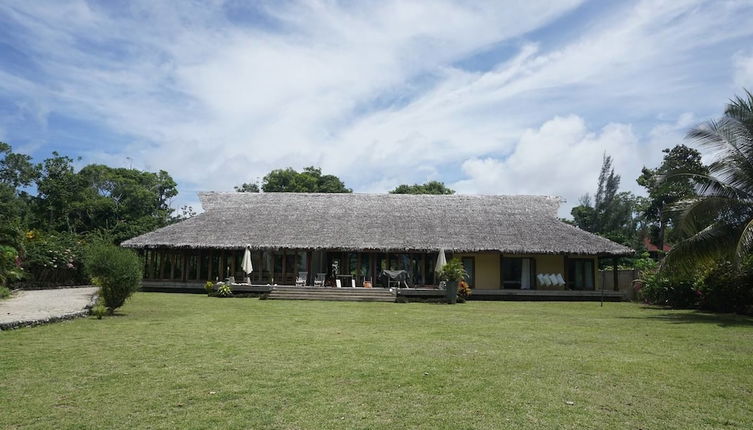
(161, 254)
(615, 274)
(209, 265)
(309, 277)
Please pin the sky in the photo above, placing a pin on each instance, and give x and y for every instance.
(497, 97)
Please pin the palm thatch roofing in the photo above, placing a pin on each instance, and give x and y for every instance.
(379, 222)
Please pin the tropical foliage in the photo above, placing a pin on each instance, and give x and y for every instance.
(664, 192)
(116, 270)
(288, 180)
(431, 187)
(718, 221)
(50, 210)
(612, 214)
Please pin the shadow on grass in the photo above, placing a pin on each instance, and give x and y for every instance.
(697, 317)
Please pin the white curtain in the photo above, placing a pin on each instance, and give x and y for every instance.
(525, 275)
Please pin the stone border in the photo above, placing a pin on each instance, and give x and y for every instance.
(69, 316)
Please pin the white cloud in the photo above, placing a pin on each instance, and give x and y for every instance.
(743, 71)
(374, 93)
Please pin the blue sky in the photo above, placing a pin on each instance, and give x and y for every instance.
(508, 97)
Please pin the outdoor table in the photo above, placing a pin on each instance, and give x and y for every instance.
(344, 278)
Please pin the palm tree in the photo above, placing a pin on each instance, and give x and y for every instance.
(718, 223)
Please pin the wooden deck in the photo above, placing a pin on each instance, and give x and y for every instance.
(548, 295)
(407, 293)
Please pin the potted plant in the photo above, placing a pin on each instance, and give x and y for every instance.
(452, 273)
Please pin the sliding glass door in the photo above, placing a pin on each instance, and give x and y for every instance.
(518, 273)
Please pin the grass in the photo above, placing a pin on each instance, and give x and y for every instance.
(188, 361)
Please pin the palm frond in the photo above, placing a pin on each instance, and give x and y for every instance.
(715, 241)
(708, 184)
(745, 242)
(697, 213)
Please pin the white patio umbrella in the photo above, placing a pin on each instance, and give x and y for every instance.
(441, 261)
(246, 265)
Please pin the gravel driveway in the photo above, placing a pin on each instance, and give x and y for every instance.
(26, 308)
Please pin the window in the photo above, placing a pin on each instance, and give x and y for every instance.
(518, 273)
(580, 274)
(469, 264)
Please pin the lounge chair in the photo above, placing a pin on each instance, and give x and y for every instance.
(302, 278)
(319, 280)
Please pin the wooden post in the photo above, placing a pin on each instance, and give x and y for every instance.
(283, 268)
(422, 270)
(372, 257)
(162, 263)
(615, 274)
(184, 268)
(209, 263)
(153, 266)
(198, 265)
(309, 257)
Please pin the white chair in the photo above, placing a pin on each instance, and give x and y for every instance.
(300, 281)
(319, 279)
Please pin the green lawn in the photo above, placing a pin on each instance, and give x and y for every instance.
(189, 361)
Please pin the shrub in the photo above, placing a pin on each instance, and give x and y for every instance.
(725, 288)
(453, 271)
(99, 310)
(209, 287)
(116, 270)
(4, 292)
(9, 265)
(660, 289)
(224, 291)
(53, 258)
(464, 291)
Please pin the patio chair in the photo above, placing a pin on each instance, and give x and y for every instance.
(300, 281)
(319, 279)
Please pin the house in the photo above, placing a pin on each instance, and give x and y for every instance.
(504, 242)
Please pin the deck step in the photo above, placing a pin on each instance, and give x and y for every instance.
(332, 294)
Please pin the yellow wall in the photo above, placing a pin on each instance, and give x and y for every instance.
(488, 268)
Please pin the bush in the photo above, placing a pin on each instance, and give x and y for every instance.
(659, 289)
(99, 310)
(54, 258)
(4, 292)
(116, 270)
(209, 288)
(9, 265)
(224, 291)
(453, 271)
(725, 288)
(464, 291)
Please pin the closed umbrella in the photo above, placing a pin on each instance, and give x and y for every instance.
(441, 261)
(246, 265)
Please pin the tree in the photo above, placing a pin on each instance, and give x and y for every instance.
(119, 202)
(431, 187)
(246, 188)
(612, 213)
(310, 180)
(719, 220)
(16, 173)
(57, 188)
(662, 194)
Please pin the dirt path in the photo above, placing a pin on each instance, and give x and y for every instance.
(27, 308)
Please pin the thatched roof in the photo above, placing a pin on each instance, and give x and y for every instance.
(380, 222)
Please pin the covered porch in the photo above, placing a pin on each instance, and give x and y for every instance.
(284, 266)
(490, 274)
